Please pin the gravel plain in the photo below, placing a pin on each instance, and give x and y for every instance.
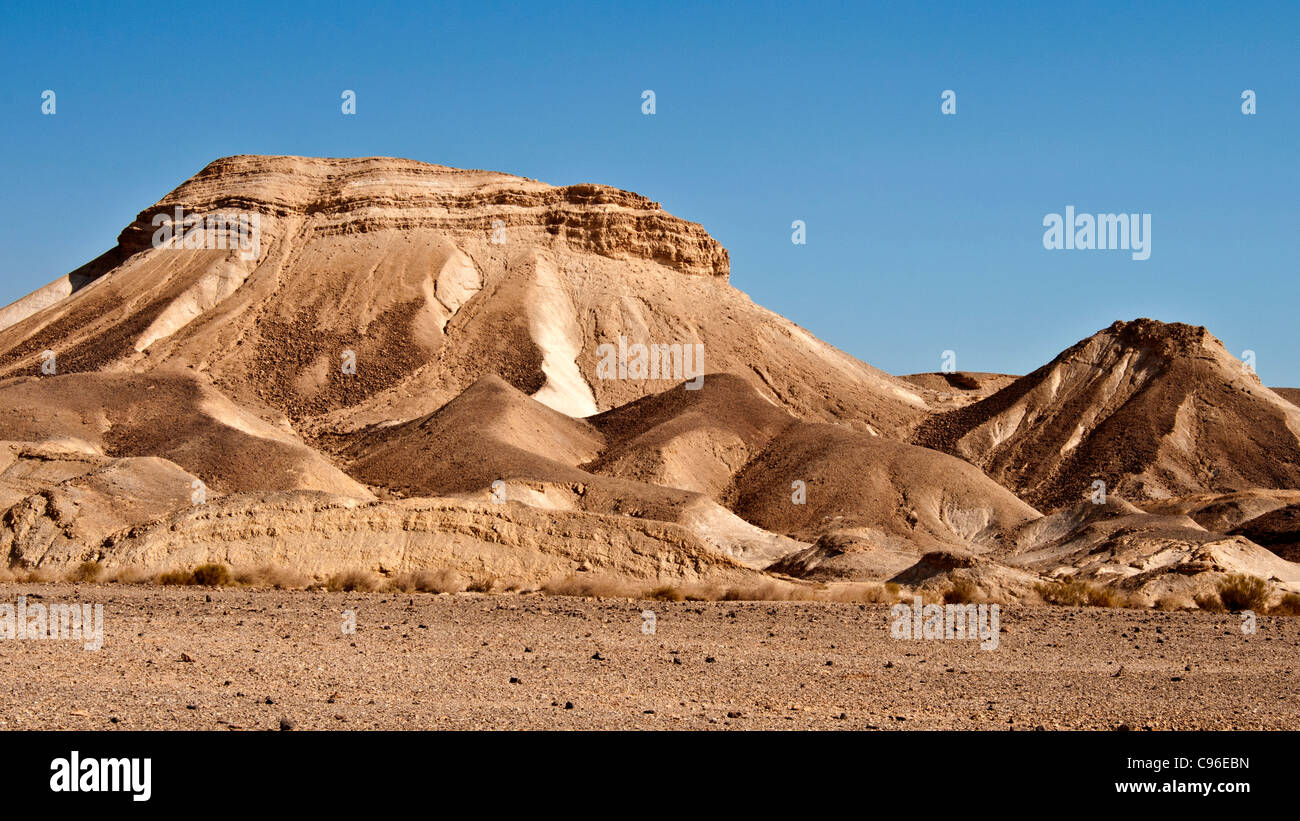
(240, 659)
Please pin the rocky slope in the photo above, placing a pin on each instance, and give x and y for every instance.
(1153, 410)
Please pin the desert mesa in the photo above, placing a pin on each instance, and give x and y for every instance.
(384, 366)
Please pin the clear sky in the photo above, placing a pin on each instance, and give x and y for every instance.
(924, 231)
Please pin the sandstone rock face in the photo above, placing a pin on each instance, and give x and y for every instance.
(322, 535)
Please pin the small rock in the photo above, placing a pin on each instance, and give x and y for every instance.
(286, 724)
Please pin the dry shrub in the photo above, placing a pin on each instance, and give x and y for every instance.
(1241, 592)
(35, 575)
(482, 584)
(1289, 606)
(86, 572)
(1209, 602)
(130, 575)
(766, 591)
(703, 592)
(352, 581)
(428, 581)
(775, 590)
(1170, 602)
(927, 596)
(858, 592)
(666, 593)
(589, 586)
(174, 577)
(963, 591)
(1099, 596)
(267, 575)
(212, 575)
(206, 575)
(760, 590)
(1071, 593)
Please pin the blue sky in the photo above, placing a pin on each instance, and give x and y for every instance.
(924, 231)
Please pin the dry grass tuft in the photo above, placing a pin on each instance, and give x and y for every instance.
(428, 581)
(273, 576)
(963, 591)
(206, 575)
(1170, 602)
(1209, 602)
(483, 584)
(767, 591)
(352, 581)
(35, 575)
(86, 572)
(130, 575)
(589, 586)
(666, 593)
(860, 592)
(1241, 592)
(1071, 593)
(1289, 606)
(175, 577)
(761, 590)
(212, 575)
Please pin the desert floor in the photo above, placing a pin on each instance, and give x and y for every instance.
(270, 659)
